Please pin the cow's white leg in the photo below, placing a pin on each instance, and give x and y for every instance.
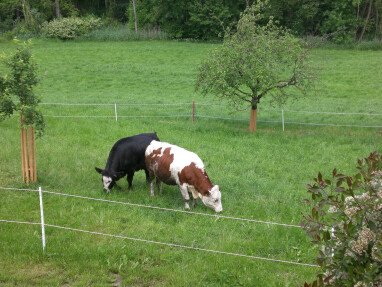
(186, 197)
(152, 188)
(195, 195)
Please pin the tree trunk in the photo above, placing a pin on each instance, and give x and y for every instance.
(366, 21)
(135, 17)
(57, 9)
(252, 120)
(253, 116)
(377, 24)
(28, 154)
(25, 9)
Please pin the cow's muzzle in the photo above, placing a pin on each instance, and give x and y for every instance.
(219, 209)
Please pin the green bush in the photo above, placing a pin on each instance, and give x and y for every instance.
(70, 28)
(346, 222)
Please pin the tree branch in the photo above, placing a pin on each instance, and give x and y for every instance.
(243, 98)
(279, 85)
(241, 92)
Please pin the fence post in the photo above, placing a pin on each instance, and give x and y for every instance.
(115, 112)
(42, 220)
(282, 119)
(193, 111)
(332, 236)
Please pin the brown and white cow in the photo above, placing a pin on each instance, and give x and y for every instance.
(174, 165)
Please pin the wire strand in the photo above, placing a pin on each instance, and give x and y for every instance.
(216, 216)
(164, 243)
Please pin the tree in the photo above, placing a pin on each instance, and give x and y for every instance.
(254, 62)
(135, 17)
(57, 9)
(16, 94)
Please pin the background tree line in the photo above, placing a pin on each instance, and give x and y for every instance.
(340, 20)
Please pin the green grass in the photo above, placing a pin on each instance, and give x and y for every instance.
(262, 175)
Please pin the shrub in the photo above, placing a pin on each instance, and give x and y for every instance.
(346, 222)
(70, 28)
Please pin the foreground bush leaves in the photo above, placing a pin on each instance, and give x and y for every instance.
(346, 222)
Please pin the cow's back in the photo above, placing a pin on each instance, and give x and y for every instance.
(129, 153)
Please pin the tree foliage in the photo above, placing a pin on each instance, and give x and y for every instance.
(256, 61)
(16, 89)
(340, 20)
(346, 222)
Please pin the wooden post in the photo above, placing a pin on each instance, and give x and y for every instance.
(28, 154)
(34, 157)
(252, 120)
(193, 111)
(32, 147)
(23, 156)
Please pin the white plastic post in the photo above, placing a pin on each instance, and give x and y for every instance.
(42, 220)
(115, 112)
(282, 119)
(332, 235)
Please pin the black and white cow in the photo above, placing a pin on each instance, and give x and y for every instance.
(125, 158)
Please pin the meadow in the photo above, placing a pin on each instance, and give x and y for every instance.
(261, 175)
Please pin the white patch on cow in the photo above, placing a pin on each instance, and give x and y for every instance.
(214, 199)
(154, 145)
(106, 182)
(195, 193)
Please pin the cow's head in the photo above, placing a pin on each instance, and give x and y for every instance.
(108, 179)
(213, 199)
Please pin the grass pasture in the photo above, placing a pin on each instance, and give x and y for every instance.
(262, 175)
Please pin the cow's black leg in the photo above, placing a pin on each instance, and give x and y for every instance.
(147, 176)
(159, 185)
(130, 176)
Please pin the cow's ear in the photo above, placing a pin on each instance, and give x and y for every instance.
(99, 170)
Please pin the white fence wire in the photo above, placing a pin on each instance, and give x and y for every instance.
(216, 216)
(43, 225)
(192, 114)
(163, 243)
